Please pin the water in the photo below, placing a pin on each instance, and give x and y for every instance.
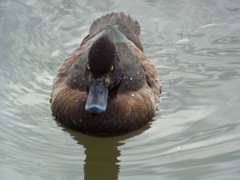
(195, 46)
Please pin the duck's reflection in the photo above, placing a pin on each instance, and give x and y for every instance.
(102, 154)
(101, 159)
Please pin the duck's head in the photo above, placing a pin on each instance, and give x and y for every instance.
(103, 73)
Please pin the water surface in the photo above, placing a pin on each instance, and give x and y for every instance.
(195, 46)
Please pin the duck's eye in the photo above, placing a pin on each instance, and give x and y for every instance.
(112, 67)
(88, 66)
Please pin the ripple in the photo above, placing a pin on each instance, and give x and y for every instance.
(211, 52)
(228, 40)
(234, 9)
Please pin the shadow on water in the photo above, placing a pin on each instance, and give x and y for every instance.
(102, 154)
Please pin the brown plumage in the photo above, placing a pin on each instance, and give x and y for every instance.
(131, 81)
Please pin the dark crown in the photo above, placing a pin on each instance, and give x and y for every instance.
(101, 56)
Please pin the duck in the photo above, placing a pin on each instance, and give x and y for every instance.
(107, 85)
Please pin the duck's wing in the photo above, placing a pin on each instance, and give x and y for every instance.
(124, 23)
(75, 74)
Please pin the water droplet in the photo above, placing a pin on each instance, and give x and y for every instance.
(178, 148)
(131, 78)
(132, 95)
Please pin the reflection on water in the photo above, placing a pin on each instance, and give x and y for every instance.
(102, 153)
(101, 160)
(195, 133)
(101, 157)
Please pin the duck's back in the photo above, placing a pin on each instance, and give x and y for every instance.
(124, 23)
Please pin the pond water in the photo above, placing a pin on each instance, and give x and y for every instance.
(195, 46)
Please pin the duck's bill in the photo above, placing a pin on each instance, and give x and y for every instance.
(97, 98)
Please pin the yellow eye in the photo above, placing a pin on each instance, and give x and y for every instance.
(88, 66)
(112, 68)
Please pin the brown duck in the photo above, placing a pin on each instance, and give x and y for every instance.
(107, 85)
